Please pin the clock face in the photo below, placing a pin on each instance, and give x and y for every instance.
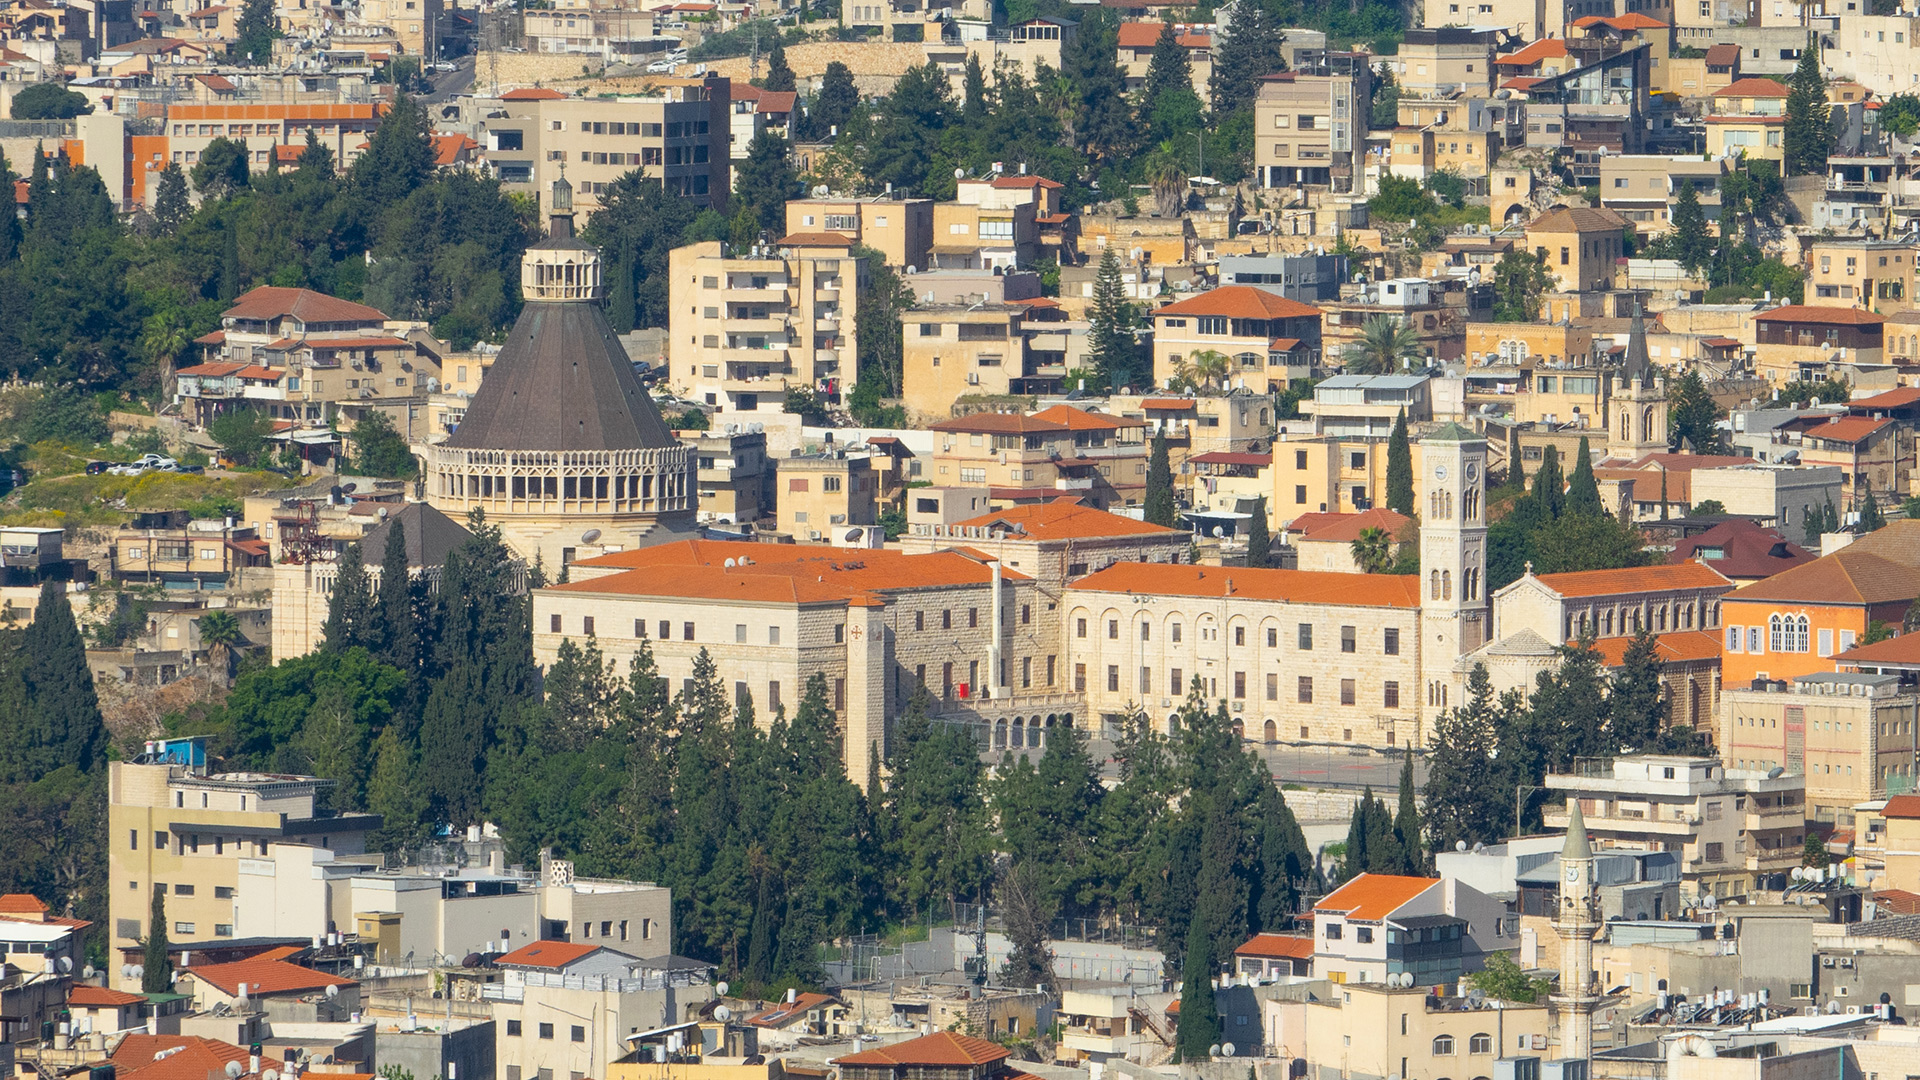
(1473, 473)
(1573, 875)
(1439, 472)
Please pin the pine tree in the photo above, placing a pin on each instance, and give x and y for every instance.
(394, 792)
(254, 34)
(1400, 468)
(1250, 50)
(1807, 138)
(350, 610)
(1285, 861)
(1871, 519)
(316, 158)
(1110, 342)
(1169, 71)
(1199, 1025)
(1103, 122)
(1159, 508)
(62, 720)
(1689, 241)
(157, 974)
(399, 642)
(1583, 492)
(1549, 487)
(1259, 542)
(1406, 823)
(1637, 705)
(171, 203)
(1570, 700)
(973, 110)
(779, 78)
(1692, 414)
(399, 157)
(1463, 794)
(834, 105)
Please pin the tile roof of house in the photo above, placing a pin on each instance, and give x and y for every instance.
(1632, 20)
(1064, 519)
(1634, 579)
(1085, 420)
(1521, 82)
(1292, 586)
(265, 977)
(1751, 87)
(1170, 404)
(781, 573)
(1012, 183)
(22, 904)
(1846, 578)
(547, 954)
(1725, 54)
(1890, 399)
(1649, 484)
(1751, 551)
(1373, 897)
(1544, 49)
(1231, 457)
(785, 1013)
(532, 93)
(1684, 462)
(101, 997)
(942, 1048)
(1346, 528)
(1277, 947)
(1826, 316)
(1145, 35)
(1898, 901)
(1902, 806)
(273, 301)
(994, 423)
(186, 1057)
(448, 148)
(1844, 429)
(1677, 647)
(1241, 302)
(1577, 219)
(813, 239)
(1901, 651)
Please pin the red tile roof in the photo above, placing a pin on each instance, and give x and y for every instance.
(1230, 457)
(1902, 806)
(1277, 947)
(532, 93)
(264, 977)
(1145, 35)
(22, 904)
(781, 573)
(992, 423)
(1751, 87)
(1635, 579)
(1241, 302)
(1678, 647)
(1898, 901)
(1010, 183)
(1846, 429)
(1891, 399)
(1633, 20)
(944, 1048)
(1824, 316)
(272, 302)
(1750, 551)
(784, 1013)
(1544, 49)
(187, 1057)
(448, 148)
(1170, 404)
(1846, 578)
(1292, 586)
(1901, 651)
(546, 954)
(1064, 519)
(813, 239)
(1084, 420)
(1723, 55)
(1346, 528)
(1521, 82)
(100, 997)
(346, 342)
(1373, 897)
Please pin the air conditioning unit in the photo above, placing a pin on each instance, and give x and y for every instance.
(1166, 703)
(1239, 706)
(1846, 961)
(1826, 961)
(358, 366)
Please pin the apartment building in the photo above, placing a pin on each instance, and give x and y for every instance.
(1331, 475)
(1003, 223)
(1732, 827)
(747, 326)
(342, 128)
(1582, 245)
(901, 230)
(877, 624)
(1268, 339)
(416, 25)
(959, 351)
(1795, 622)
(1437, 320)
(175, 825)
(1099, 457)
(822, 496)
(1748, 117)
(1411, 1029)
(679, 134)
(1381, 925)
(1053, 542)
(1881, 276)
(160, 548)
(1852, 734)
(1311, 130)
(1363, 406)
(1448, 59)
(1803, 341)
(735, 475)
(1641, 188)
(572, 1007)
(1137, 41)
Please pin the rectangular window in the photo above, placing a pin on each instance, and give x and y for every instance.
(1348, 640)
(586, 625)
(740, 633)
(1346, 691)
(1175, 685)
(513, 1028)
(1390, 694)
(1304, 692)
(666, 630)
(1735, 635)
(1333, 931)
(1240, 685)
(1391, 642)
(1113, 629)
(1306, 636)
(1113, 678)
(183, 890)
(183, 928)
(686, 631)
(553, 623)
(546, 1031)
(1079, 678)
(1146, 680)
(773, 694)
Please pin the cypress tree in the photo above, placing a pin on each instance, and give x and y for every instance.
(1110, 319)
(1549, 487)
(1689, 241)
(1871, 519)
(158, 975)
(1814, 522)
(1160, 508)
(974, 109)
(62, 718)
(1807, 138)
(1169, 70)
(1400, 468)
(399, 626)
(171, 204)
(1583, 493)
(779, 76)
(1357, 856)
(1286, 862)
(350, 610)
(1637, 705)
(1259, 542)
(1406, 822)
(1199, 1026)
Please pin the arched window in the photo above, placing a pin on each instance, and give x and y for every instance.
(1434, 584)
(1446, 584)
(1776, 634)
(1481, 1043)
(1646, 425)
(1443, 1046)
(1800, 634)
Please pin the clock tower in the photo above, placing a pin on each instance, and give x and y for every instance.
(1575, 921)
(1454, 615)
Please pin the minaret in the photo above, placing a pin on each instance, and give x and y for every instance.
(1637, 405)
(1454, 615)
(1576, 922)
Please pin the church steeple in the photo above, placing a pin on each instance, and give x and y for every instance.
(1575, 922)
(1637, 405)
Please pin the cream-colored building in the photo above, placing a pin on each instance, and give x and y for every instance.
(900, 229)
(1748, 117)
(416, 25)
(1053, 542)
(735, 474)
(1877, 51)
(1642, 187)
(822, 497)
(746, 327)
(678, 134)
(1581, 245)
(958, 351)
(174, 825)
(1612, 603)
(564, 1007)
(1849, 733)
(1329, 475)
(1364, 1027)
(1447, 60)
(1312, 129)
(1137, 42)
(1267, 339)
(1732, 828)
(1875, 275)
(876, 624)
(1097, 456)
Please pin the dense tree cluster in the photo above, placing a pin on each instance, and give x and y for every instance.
(1558, 526)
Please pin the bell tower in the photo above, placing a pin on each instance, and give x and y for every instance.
(1454, 615)
(1636, 402)
(1575, 921)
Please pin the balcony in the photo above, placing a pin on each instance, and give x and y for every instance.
(772, 294)
(1632, 823)
(777, 355)
(1088, 1041)
(1073, 483)
(827, 322)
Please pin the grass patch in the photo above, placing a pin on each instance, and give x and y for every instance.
(79, 500)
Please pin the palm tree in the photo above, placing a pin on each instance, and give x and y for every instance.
(1207, 367)
(220, 632)
(163, 340)
(1373, 550)
(1385, 344)
(1169, 180)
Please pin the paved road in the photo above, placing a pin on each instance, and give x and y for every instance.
(1335, 767)
(451, 84)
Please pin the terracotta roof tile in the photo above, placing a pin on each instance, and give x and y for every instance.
(1291, 586)
(1346, 528)
(1241, 302)
(1847, 578)
(1749, 550)
(1277, 947)
(22, 904)
(1902, 806)
(1578, 219)
(1901, 651)
(1723, 55)
(1678, 647)
(1373, 897)
(188, 1057)
(1844, 429)
(264, 977)
(533, 93)
(1064, 519)
(781, 573)
(100, 997)
(1635, 579)
(1170, 404)
(1230, 457)
(1891, 399)
(997, 424)
(1825, 316)
(1751, 87)
(1544, 49)
(1013, 183)
(813, 239)
(546, 954)
(272, 302)
(943, 1048)
(784, 1014)
(1898, 901)
(1084, 420)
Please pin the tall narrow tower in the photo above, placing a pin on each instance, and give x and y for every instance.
(1576, 922)
(1637, 404)
(1454, 615)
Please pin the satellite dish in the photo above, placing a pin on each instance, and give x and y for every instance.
(66, 963)
(87, 972)
(723, 1014)
(729, 564)
(139, 972)
(590, 536)
(1708, 902)
(333, 991)
(959, 174)
(1459, 845)
(1226, 1049)
(1776, 772)
(853, 535)
(1214, 1050)
(235, 1070)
